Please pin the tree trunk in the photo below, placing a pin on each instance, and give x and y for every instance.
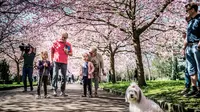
(112, 65)
(141, 78)
(18, 76)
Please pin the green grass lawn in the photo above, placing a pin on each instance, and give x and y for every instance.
(13, 85)
(168, 91)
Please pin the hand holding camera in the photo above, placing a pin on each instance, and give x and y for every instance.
(27, 48)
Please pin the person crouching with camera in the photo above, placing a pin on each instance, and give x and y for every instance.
(44, 67)
(28, 54)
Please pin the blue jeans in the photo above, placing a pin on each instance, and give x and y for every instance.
(27, 72)
(56, 68)
(187, 78)
(193, 60)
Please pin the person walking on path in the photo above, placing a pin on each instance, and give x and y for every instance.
(98, 63)
(86, 72)
(60, 51)
(44, 69)
(28, 55)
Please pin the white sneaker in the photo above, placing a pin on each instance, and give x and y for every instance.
(63, 94)
(37, 96)
(54, 93)
(46, 96)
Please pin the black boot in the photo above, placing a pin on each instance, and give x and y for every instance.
(193, 92)
(197, 95)
(185, 91)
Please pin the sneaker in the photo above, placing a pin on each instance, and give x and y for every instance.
(31, 89)
(63, 94)
(24, 91)
(83, 96)
(37, 96)
(95, 94)
(90, 96)
(185, 91)
(191, 93)
(46, 96)
(54, 93)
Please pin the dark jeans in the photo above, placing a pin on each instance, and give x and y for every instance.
(87, 83)
(56, 68)
(40, 80)
(27, 72)
(51, 75)
(34, 78)
(69, 80)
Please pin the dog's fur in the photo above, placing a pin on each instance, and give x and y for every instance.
(138, 102)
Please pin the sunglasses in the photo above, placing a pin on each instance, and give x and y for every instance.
(188, 9)
(64, 37)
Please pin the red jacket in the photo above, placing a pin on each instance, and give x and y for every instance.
(58, 53)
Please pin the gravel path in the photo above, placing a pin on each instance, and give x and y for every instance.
(17, 101)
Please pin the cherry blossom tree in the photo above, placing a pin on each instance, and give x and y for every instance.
(133, 18)
(108, 40)
(17, 19)
(112, 25)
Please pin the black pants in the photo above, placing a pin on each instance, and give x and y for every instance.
(87, 83)
(45, 80)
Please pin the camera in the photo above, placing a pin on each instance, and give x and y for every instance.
(23, 47)
(67, 47)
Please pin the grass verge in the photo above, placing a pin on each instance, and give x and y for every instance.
(168, 91)
(14, 85)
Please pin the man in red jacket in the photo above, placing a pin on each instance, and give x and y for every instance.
(60, 51)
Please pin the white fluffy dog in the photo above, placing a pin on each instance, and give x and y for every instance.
(138, 102)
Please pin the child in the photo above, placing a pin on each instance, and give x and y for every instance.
(44, 69)
(86, 72)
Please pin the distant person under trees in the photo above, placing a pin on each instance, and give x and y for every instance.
(135, 75)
